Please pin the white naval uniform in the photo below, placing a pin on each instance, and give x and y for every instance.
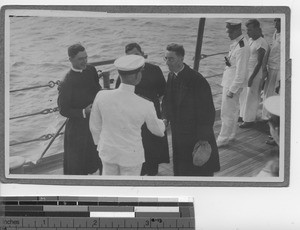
(273, 66)
(254, 92)
(115, 123)
(234, 79)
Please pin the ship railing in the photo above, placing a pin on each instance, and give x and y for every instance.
(52, 136)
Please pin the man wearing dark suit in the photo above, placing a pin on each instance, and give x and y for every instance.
(189, 107)
(76, 95)
(152, 87)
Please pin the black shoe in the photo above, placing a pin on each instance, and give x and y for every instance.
(240, 119)
(245, 125)
(271, 142)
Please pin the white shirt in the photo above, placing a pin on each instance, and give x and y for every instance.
(274, 56)
(115, 123)
(254, 46)
(235, 76)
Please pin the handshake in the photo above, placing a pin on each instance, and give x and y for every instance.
(166, 122)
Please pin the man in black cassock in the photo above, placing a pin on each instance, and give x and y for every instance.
(76, 95)
(188, 106)
(152, 86)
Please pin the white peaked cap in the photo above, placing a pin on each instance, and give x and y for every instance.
(272, 104)
(129, 62)
(234, 22)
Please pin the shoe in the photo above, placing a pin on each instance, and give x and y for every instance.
(271, 142)
(245, 125)
(240, 119)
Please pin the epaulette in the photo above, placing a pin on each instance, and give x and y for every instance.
(146, 98)
(241, 43)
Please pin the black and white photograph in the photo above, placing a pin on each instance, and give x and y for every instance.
(146, 97)
(188, 101)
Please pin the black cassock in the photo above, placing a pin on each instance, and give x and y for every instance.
(188, 104)
(77, 91)
(152, 87)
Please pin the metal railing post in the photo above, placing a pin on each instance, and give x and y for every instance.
(199, 44)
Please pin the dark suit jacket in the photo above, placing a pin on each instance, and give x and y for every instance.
(192, 118)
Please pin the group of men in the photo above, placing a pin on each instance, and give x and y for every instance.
(123, 131)
(252, 72)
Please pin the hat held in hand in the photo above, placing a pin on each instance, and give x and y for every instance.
(201, 153)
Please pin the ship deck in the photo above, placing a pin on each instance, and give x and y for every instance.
(244, 157)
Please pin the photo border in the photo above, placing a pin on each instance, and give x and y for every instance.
(82, 180)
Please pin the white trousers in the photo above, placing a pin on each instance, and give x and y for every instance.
(269, 89)
(115, 169)
(229, 115)
(243, 101)
(253, 99)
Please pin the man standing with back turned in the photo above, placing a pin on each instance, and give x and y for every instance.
(152, 87)
(116, 120)
(189, 107)
(234, 81)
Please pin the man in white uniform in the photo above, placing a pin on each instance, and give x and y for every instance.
(273, 68)
(258, 48)
(233, 82)
(116, 120)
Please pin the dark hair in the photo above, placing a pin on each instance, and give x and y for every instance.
(131, 46)
(274, 120)
(178, 49)
(73, 50)
(253, 22)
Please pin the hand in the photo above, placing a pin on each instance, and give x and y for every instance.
(88, 109)
(250, 82)
(166, 122)
(229, 94)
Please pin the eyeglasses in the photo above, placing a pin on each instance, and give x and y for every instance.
(170, 59)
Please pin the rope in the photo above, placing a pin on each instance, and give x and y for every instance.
(44, 112)
(210, 55)
(41, 138)
(51, 84)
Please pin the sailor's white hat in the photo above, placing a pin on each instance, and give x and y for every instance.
(234, 22)
(272, 104)
(129, 63)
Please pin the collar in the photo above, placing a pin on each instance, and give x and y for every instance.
(236, 40)
(126, 87)
(76, 70)
(176, 73)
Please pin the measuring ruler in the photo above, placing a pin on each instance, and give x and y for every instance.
(113, 213)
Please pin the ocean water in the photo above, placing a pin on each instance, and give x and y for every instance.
(38, 54)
